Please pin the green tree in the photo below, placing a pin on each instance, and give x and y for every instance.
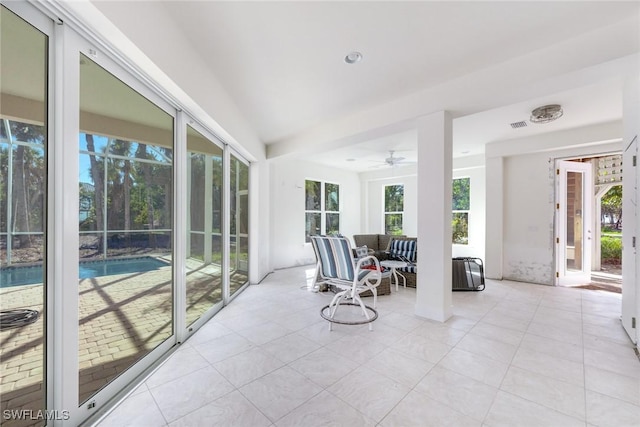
(394, 198)
(28, 181)
(393, 202)
(96, 169)
(460, 193)
(612, 204)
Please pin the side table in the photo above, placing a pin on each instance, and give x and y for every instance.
(394, 265)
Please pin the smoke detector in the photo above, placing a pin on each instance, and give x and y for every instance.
(546, 114)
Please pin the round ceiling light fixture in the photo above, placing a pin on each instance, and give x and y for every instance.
(546, 114)
(353, 57)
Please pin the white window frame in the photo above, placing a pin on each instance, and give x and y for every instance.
(323, 211)
(384, 207)
(467, 211)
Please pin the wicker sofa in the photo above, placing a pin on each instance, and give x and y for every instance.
(382, 245)
(378, 243)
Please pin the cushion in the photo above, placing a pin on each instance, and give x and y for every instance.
(408, 269)
(403, 249)
(384, 239)
(361, 252)
(332, 253)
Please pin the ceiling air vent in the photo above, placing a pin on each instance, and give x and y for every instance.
(517, 125)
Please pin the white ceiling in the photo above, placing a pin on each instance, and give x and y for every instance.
(282, 62)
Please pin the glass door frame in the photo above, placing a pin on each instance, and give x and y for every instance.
(46, 26)
(182, 206)
(564, 276)
(227, 222)
(629, 307)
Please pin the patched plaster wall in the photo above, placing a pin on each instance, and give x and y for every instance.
(528, 198)
(528, 220)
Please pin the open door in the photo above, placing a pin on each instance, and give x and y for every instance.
(573, 216)
(629, 215)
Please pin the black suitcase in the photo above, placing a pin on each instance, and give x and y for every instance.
(468, 274)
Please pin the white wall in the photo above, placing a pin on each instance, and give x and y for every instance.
(373, 201)
(288, 247)
(373, 209)
(528, 218)
(528, 197)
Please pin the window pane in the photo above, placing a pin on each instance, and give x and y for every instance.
(574, 220)
(196, 196)
(394, 198)
(216, 196)
(331, 198)
(393, 224)
(132, 205)
(4, 187)
(28, 187)
(203, 261)
(94, 144)
(239, 212)
(128, 195)
(461, 194)
(312, 195)
(23, 186)
(460, 228)
(92, 188)
(333, 223)
(312, 225)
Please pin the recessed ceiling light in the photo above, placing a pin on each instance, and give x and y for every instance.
(353, 57)
(351, 160)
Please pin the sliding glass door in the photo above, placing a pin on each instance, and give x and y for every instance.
(125, 222)
(123, 228)
(23, 218)
(204, 287)
(239, 225)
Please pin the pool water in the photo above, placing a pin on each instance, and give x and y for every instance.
(16, 276)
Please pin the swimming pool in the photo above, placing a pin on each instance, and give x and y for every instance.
(16, 276)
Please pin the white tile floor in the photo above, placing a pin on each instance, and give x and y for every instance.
(515, 354)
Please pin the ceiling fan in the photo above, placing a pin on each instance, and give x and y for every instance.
(393, 161)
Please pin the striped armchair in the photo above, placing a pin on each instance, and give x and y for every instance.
(336, 266)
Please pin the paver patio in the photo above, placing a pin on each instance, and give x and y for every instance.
(121, 319)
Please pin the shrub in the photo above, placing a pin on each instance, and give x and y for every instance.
(611, 249)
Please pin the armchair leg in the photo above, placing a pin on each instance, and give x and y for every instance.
(364, 311)
(333, 306)
(315, 286)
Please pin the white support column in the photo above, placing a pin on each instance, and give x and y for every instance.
(494, 217)
(433, 290)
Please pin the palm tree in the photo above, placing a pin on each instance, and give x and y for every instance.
(97, 175)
